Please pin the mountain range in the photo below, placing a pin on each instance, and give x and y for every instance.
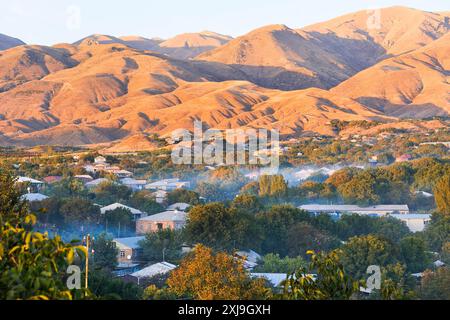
(381, 65)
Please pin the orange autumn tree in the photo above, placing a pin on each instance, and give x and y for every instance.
(205, 275)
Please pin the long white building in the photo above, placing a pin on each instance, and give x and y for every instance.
(380, 210)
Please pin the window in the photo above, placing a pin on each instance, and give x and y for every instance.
(160, 226)
(122, 254)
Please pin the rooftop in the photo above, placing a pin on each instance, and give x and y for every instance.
(30, 180)
(178, 206)
(167, 216)
(128, 243)
(412, 216)
(115, 206)
(353, 208)
(33, 197)
(153, 270)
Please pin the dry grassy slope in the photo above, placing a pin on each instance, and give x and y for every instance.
(114, 92)
(7, 42)
(324, 54)
(400, 29)
(183, 46)
(412, 85)
(93, 93)
(190, 45)
(279, 57)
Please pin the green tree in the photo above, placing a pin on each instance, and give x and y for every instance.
(413, 252)
(80, 211)
(442, 195)
(220, 227)
(435, 285)
(361, 252)
(183, 196)
(276, 223)
(105, 253)
(331, 283)
(272, 186)
(32, 266)
(162, 245)
(205, 275)
(272, 263)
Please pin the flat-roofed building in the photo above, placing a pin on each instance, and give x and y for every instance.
(415, 222)
(173, 220)
(380, 210)
(129, 249)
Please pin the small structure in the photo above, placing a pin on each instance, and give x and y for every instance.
(404, 158)
(129, 249)
(95, 183)
(380, 210)
(85, 178)
(250, 258)
(415, 222)
(33, 197)
(137, 214)
(174, 220)
(160, 196)
(133, 184)
(100, 160)
(275, 279)
(167, 185)
(52, 179)
(33, 184)
(179, 207)
(154, 270)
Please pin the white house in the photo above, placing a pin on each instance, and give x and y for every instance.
(168, 185)
(133, 184)
(34, 197)
(275, 279)
(415, 222)
(160, 196)
(178, 206)
(154, 270)
(100, 160)
(380, 210)
(95, 183)
(137, 214)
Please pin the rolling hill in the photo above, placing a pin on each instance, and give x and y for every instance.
(105, 89)
(7, 42)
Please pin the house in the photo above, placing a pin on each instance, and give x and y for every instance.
(95, 183)
(424, 194)
(160, 196)
(129, 249)
(133, 184)
(85, 178)
(173, 220)
(179, 206)
(32, 183)
(52, 179)
(380, 210)
(154, 270)
(275, 279)
(404, 158)
(168, 185)
(415, 222)
(120, 173)
(251, 258)
(33, 197)
(100, 160)
(137, 214)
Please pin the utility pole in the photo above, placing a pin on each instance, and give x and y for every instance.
(88, 239)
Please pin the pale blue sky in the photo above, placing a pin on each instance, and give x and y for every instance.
(53, 21)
